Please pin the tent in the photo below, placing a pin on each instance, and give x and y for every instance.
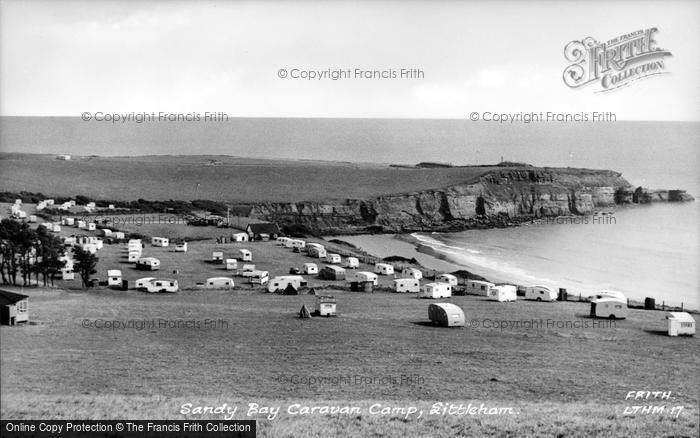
(304, 312)
(289, 290)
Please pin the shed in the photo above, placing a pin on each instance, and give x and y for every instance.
(239, 237)
(436, 290)
(613, 308)
(414, 273)
(406, 285)
(504, 292)
(332, 272)
(245, 255)
(447, 278)
(114, 277)
(13, 308)
(446, 315)
(325, 305)
(384, 269)
(263, 231)
(680, 323)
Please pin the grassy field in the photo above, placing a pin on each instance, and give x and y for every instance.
(230, 179)
(557, 380)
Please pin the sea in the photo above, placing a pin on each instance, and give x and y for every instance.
(642, 251)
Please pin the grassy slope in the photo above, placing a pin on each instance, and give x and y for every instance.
(233, 180)
(558, 379)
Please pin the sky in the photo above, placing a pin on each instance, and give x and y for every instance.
(62, 58)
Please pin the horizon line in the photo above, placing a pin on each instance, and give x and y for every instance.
(466, 118)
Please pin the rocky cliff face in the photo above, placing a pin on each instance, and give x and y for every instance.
(498, 198)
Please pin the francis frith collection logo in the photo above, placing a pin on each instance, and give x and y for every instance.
(615, 63)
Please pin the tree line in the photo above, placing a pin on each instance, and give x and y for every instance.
(27, 254)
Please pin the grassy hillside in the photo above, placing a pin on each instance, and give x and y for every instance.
(227, 179)
(558, 380)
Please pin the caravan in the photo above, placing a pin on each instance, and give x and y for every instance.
(383, 269)
(114, 277)
(219, 283)
(504, 292)
(436, 290)
(446, 315)
(148, 264)
(181, 247)
(476, 287)
(142, 283)
(351, 263)
(333, 259)
(608, 294)
(447, 278)
(541, 293)
(217, 257)
(245, 255)
(362, 277)
(310, 268)
(231, 264)
(280, 283)
(160, 241)
(612, 308)
(414, 273)
(406, 285)
(157, 285)
(259, 277)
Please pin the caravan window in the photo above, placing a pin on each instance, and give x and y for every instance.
(483, 287)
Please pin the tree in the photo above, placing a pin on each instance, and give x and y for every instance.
(85, 264)
(50, 252)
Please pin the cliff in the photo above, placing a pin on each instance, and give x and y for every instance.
(497, 198)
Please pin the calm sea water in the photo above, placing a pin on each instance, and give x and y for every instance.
(648, 251)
